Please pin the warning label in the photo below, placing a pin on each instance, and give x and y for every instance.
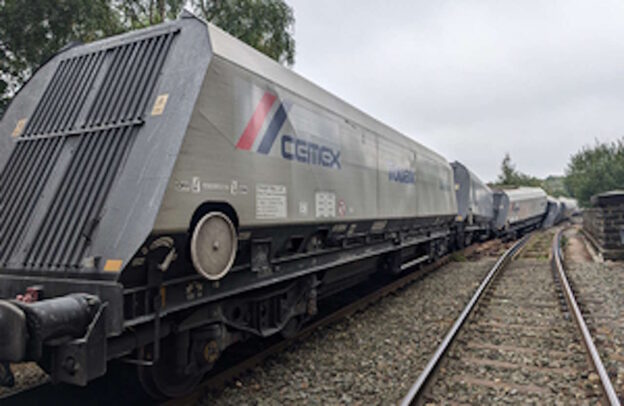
(325, 204)
(271, 202)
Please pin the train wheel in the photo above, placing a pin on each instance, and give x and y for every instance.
(315, 243)
(441, 248)
(213, 245)
(162, 381)
(148, 385)
(292, 327)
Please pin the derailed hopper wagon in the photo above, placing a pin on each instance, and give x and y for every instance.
(519, 211)
(475, 206)
(169, 192)
(553, 212)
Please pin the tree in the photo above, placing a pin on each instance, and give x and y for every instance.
(266, 25)
(143, 13)
(508, 171)
(595, 170)
(554, 186)
(4, 97)
(510, 177)
(31, 31)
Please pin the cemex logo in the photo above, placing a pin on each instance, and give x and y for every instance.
(292, 148)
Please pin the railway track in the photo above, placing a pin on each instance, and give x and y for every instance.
(598, 286)
(219, 380)
(120, 386)
(520, 339)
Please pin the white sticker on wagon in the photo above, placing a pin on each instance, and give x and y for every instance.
(196, 185)
(160, 104)
(325, 204)
(271, 202)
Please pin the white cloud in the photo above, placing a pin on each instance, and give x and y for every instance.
(474, 79)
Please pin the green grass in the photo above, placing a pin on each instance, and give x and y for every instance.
(458, 257)
(564, 242)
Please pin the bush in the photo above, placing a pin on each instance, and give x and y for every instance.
(595, 170)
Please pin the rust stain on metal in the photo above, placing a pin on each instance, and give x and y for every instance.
(19, 128)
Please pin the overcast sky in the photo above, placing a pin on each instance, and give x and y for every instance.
(473, 79)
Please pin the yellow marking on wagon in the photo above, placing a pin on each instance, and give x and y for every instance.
(113, 265)
(19, 128)
(163, 297)
(160, 104)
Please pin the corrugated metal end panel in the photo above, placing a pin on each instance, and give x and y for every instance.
(73, 147)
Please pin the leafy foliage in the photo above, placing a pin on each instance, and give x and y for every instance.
(510, 177)
(595, 170)
(264, 24)
(31, 31)
(143, 13)
(555, 186)
(4, 98)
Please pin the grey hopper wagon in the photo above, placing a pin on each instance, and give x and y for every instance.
(176, 192)
(569, 207)
(519, 210)
(553, 212)
(475, 205)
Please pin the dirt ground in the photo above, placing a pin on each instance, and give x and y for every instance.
(575, 249)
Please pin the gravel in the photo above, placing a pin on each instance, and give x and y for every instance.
(27, 375)
(599, 287)
(372, 357)
(518, 347)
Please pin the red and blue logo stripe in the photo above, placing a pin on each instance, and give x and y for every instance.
(256, 122)
(293, 148)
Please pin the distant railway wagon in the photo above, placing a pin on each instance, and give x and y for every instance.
(171, 191)
(519, 210)
(569, 207)
(475, 205)
(553, 212)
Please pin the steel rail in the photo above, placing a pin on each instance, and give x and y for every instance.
(605, 381)
(419, 386)
(229, 374)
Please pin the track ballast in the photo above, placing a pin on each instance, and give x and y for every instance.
(518, 340)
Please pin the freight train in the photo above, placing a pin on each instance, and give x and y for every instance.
(169, 192)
